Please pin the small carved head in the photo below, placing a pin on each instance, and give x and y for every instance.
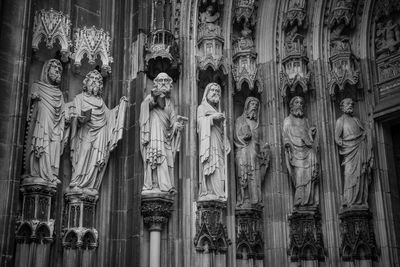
(163, 85)
(93, 83)
(251, 108)
(347, 106)
(296, 105)
(54, 71)
(213, 93)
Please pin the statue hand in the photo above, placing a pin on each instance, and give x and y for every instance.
(218, 117)
(313, 131)
(179, 126)
(123, 98)
(36, 97)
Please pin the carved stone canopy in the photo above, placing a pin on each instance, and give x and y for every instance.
(295, 14)
(52, 26)
(161, 45)
(342, 13)
(244, 9)
(343, 69)
(210, 53)
(93, 43)
(244, 68)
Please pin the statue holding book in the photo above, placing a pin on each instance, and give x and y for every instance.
(95, 131)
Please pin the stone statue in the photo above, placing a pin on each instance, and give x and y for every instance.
(46, 134)
(160, 137)
(95, 132)
(209, 21)
(301, 155)
(213, 145)
(251, 161)
(351, 139)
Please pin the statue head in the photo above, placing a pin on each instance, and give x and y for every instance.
(213, 93)
(163, 85)
(210, 9)
(51, 72)
(251, 108)
(296, 105)
(347, 106)
(93, 83)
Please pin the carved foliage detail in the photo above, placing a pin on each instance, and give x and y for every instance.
(155, 212)
(92, 42)
(52, 26)
(211, 233)
(305, 237)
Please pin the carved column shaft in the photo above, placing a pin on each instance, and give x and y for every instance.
(156, 209)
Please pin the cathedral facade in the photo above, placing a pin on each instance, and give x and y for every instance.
(200, 133)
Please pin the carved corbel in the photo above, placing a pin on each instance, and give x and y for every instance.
(51, 26)
(211, 233)
(93, 43)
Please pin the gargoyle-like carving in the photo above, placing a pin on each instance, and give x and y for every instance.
(92, 42)
(52, 26)
(211, 233)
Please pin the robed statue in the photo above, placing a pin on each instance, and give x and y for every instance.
(95, 132)
(251, 159)
(356, 154)
(300, 141)
(46, 132)
(160, 136)
(213, 145)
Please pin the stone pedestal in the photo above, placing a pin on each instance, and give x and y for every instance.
(249, 236)
(306, 243)
(79, 229)
(211, 233)
(156, 209)
(358, 243)
(35, 228)
(80, 237)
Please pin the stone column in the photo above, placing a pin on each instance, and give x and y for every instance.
(156, 209)
(35, 228)
(79, 235)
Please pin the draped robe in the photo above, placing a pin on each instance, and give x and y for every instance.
(352, 142)
(157, 142)
(248, 161)
(301, 160)
(212, 153)
(92, 142)
(46, 129)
